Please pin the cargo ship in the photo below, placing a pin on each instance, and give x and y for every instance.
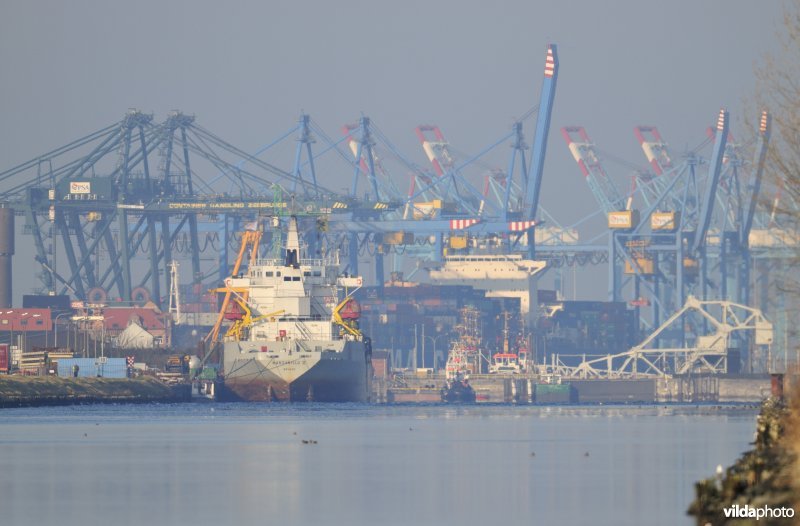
(292, 338)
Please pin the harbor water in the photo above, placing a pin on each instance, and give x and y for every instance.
(351, 464)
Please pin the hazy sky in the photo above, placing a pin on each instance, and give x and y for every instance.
(247, 69)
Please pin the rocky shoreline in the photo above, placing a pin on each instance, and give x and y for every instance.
(766, 476)
(27, 391)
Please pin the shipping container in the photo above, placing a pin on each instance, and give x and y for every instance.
(60, 303)
(458, 242)
(398, 238)
(427, 210)
(554, 394)
(5, 358)
(380, 367)
(208, 373)
(644, 265)
(93, 367)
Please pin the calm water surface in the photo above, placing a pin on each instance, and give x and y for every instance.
(239, 464)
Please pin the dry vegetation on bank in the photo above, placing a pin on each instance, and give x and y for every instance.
(767, 475)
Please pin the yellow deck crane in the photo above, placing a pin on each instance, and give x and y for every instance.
(350, 324)
(239, 326)
(347, 325)
(250, 238)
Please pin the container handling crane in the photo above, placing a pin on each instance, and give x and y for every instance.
(584, 152)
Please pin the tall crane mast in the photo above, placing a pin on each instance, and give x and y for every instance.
(546, 98)
(766, 217)
(764, 132)
(714, 170)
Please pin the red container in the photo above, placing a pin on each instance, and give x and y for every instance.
(5, 358)
(379, 367)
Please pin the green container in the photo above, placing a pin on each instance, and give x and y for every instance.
(208, 373)
(554, 394)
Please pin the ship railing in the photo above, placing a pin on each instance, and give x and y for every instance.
(298, 335)
(277, 262)
(440, 374)
(272, 262)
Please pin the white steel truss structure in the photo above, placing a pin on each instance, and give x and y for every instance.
(708, 354)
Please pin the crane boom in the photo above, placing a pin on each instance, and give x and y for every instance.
(437, 150)
(546, 99)
(714, 170)
(654, 148)
(764, 131)
(583, 150)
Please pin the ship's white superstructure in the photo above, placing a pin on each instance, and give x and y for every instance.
(501, 276)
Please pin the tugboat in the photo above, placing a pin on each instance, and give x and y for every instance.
(463, 359)
(458, 390)
(507, 361)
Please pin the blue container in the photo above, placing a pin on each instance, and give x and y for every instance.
(93, 367)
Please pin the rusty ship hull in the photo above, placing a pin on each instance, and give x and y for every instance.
(291, 373)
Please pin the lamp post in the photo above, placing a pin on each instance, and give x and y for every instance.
(432, 339)
(23, 321)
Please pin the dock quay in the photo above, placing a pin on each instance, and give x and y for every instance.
(19, 391)
(531, 389)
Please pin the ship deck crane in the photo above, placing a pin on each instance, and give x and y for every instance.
(250, 238)
(238, 327)
(336, 316)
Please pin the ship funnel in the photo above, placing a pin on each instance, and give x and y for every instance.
(292, 245)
